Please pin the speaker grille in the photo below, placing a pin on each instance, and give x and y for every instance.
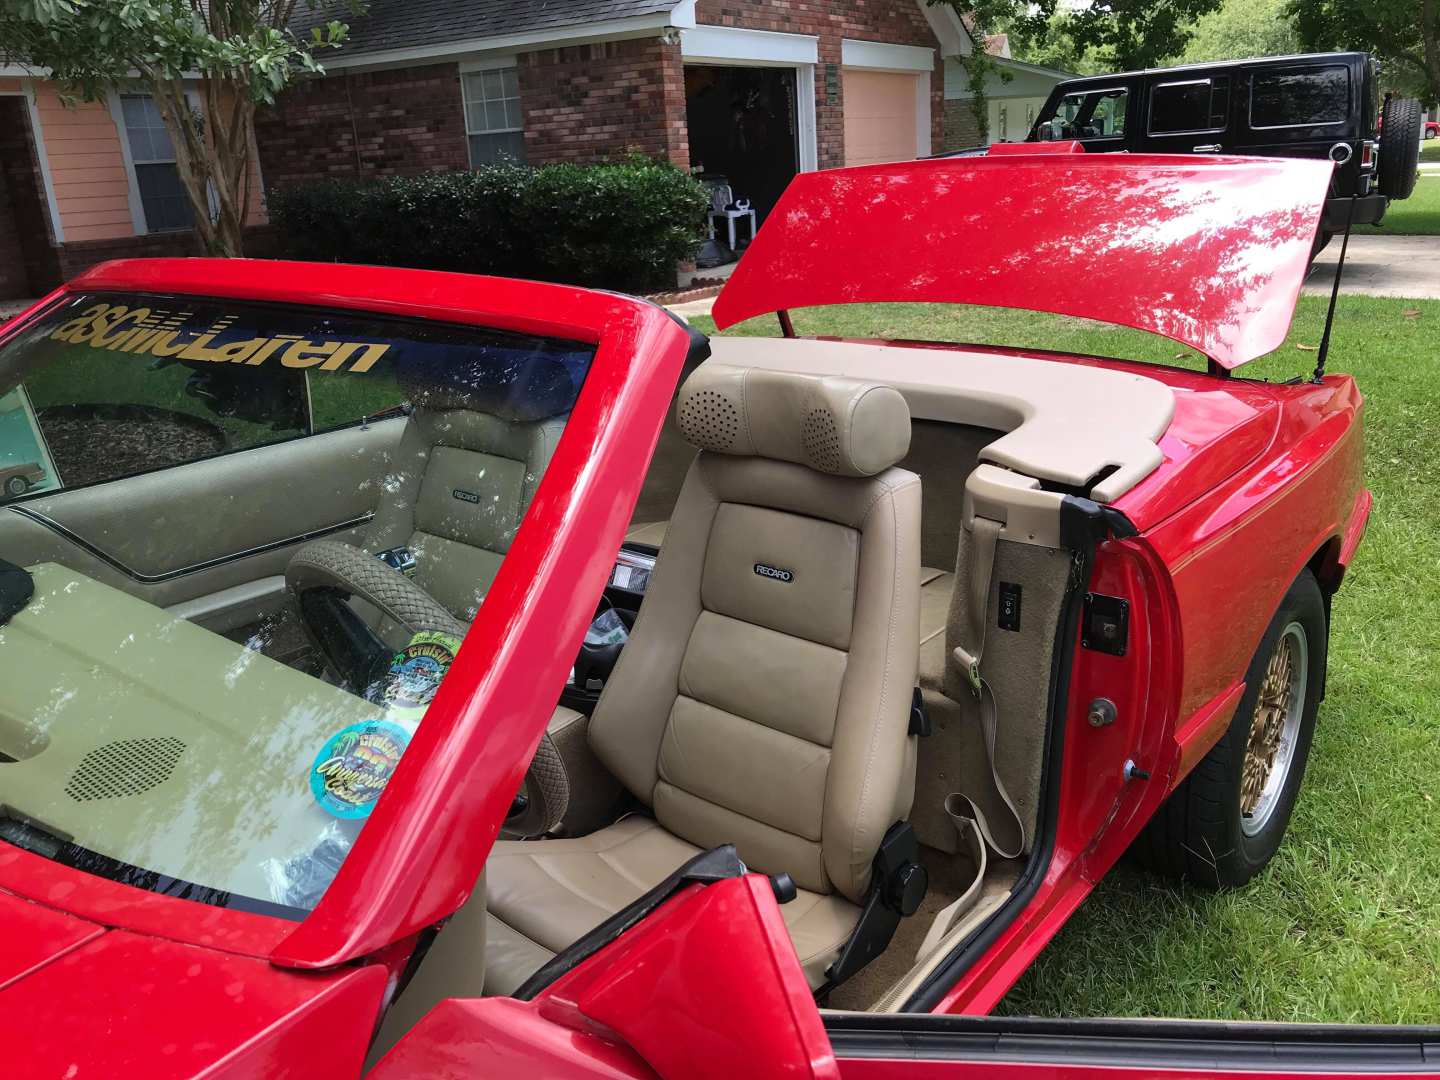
(123, 768)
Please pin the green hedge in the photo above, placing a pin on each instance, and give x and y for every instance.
(619, 226)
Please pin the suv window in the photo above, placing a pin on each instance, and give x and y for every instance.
(1088, 114)
(1300, 97)
(1193, 105)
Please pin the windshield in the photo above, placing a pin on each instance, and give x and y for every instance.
(239, 546)
(1084, 114)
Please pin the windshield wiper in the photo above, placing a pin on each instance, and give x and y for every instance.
(16, 588)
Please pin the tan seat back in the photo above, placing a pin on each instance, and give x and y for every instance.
(466, 469)
(764, 696)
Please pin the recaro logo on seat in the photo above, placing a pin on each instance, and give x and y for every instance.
(465, 496)
(773, 572)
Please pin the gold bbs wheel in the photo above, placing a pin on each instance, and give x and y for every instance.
(1274, 730)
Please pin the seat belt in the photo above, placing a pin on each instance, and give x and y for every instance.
(977, 836)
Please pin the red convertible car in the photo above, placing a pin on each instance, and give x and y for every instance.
(451, 676)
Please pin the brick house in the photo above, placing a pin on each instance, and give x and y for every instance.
(750, 90)
(84, 184)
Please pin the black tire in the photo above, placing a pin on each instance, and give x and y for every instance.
(1400, 128)
(16, 486)
(1429, 132)
(1199, 833)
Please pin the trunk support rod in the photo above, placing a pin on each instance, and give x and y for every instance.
(1324, 350)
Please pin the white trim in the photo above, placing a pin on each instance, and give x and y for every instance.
(922, 116)
(682, 16)
(809, 148)
(488, 63)
(27, 91)
(710, 44)
(880, 56)
(949, 30)
(137, 205)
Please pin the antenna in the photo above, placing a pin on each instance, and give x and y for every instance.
(1324, 349)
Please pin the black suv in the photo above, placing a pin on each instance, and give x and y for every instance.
(1316, 105)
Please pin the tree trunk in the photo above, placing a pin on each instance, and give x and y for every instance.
(1430, 34)
(213, 159)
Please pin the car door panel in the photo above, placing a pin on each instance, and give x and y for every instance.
(222, 528)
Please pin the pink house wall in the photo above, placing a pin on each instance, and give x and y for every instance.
(87, 169)
(92, 190)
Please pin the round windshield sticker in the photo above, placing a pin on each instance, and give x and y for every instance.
(416, 670)
(354, 766)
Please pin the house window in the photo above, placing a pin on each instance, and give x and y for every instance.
(152, 156)
(492, 116)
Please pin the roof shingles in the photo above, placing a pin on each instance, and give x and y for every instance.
(406, 24)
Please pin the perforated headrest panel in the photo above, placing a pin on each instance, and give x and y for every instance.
(832, 424)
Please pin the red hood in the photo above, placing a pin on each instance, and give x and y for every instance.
(1206, 251)
(31, 936)
(79, 1000)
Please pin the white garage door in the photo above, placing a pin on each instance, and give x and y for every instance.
(880, 116)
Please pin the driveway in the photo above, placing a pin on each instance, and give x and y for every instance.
(1381, 266)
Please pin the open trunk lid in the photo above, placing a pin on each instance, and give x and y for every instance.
(1209, 252)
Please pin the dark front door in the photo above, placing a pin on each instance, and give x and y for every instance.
(742, 127)
(27, 260)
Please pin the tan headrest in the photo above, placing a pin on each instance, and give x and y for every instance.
(832, 424)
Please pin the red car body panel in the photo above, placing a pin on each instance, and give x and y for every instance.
(1086, 235)
(640, 991)
(124, 1004)
(1257, 481)
(35, 935)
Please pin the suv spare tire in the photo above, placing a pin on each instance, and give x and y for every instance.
(1400, 127)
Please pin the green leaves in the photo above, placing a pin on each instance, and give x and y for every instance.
(1403, 32)
(621, 226)
(1115, 35)
(91, 46)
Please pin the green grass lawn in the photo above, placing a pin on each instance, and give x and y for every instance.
(1344, 925)
(1430, 150)
(1419, 215)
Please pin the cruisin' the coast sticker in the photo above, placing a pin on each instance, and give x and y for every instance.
(354, 766)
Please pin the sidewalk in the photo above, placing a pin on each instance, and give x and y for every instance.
(1380, 266)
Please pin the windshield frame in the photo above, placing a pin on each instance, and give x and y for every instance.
(426, 843)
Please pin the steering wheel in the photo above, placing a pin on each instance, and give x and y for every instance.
(324, 575)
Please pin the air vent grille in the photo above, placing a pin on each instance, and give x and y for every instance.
(124, 768)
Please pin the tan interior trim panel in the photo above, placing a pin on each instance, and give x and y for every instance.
(1065, 423)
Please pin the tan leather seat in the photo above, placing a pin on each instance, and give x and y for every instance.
(763, 699)
(469, 461)
(472, 454)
